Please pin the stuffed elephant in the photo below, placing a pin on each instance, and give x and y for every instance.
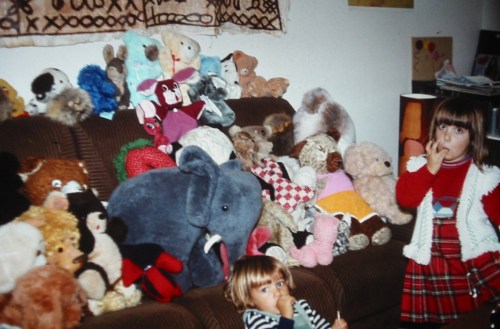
(185, 209)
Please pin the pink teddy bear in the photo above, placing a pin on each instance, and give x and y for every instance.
(320, 251)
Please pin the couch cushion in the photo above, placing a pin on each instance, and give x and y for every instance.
(37, 136)
(149, 314)
(372, 279)
(215, 312)
(99, 140)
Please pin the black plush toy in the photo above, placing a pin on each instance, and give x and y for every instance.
(13, 201)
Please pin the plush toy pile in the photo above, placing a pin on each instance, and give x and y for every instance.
(194, 197)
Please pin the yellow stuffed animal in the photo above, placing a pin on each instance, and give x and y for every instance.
(59, 229)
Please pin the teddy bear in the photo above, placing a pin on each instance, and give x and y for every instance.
(246, 150)
(261, 136)
(23, 248)
(42, 175)
(370, 167)
(336, 192)
(180, 52)
(116, 71)
(59, 228)
(320, 250)
(142, 63)
(16, 102)
(245, 66)
(49, 83)
(251, 144)
(70, 106)
(274, 87)
(282, 227)
(46, 297)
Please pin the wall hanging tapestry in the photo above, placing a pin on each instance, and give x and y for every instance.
(64, 22)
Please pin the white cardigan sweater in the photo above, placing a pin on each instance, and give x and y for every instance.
(476, 233)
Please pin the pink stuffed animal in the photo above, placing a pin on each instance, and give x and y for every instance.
(320, 251)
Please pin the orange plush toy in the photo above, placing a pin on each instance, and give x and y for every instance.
(245, 65)
(43, 175)
(47, 297)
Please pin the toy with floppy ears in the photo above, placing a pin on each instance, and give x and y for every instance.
(373, 178)
(142, 63)
(178, 207)
(175, 118)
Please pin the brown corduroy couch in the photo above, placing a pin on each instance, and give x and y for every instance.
(365, 286)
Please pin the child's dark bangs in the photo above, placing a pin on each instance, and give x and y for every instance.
(449, 118)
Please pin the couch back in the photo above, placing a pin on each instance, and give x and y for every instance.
(97, 140)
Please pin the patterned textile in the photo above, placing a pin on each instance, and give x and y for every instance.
(447, 287)
(62, 22)
(286, 194)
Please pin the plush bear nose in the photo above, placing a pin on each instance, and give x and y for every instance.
(387, 164)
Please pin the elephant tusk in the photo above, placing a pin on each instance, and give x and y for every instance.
(214, 239)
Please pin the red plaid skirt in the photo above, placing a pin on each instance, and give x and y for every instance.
(447, 287)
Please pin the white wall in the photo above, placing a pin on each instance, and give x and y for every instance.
(362, 56)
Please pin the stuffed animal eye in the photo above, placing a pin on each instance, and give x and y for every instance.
(60, 250)
(244, 71)
(225, 207)
(57, 183)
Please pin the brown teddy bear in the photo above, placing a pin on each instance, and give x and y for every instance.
(373, 177)
(43, 175)
(336, 193)
(46, 297)
(245, 66)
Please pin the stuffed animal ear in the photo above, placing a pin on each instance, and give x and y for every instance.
(334, 133)
(333, 162)
(145, 109)
(107, 53)
(297, 149)
(202, 185)
(352, 165)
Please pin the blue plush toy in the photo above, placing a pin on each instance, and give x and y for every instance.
(93, 79)
(142, 63)
(177, 207)
(210, 65)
